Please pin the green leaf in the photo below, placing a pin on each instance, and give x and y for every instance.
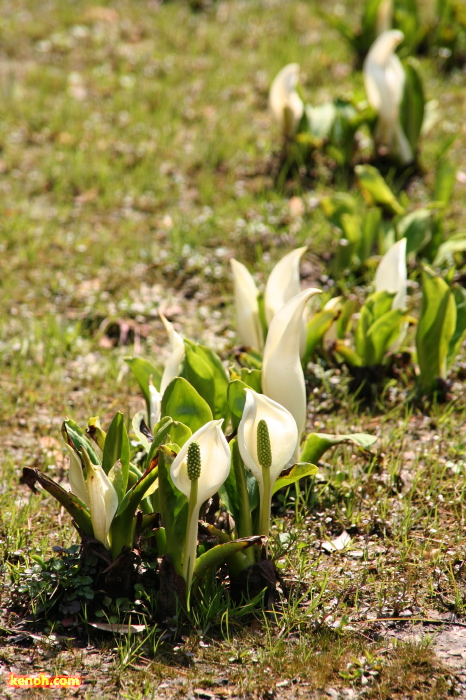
(204, 371)
(143, 370)
(182, 403)
(220, 553)
(162, 430)
(236, 399)
(384, 332)
(174, 509)
(123, 524)
(416, 227)
(412, 105)
(75, 507)
(117, 448)
(179, 433)
(337, 205)
(239, 493)
(456, 341)
(253, 378)
(369, 233)
(375, 190)
(75, 438)
(435, 329)
(294, 474)
(316, 328)
(350, 356)
(445, 178)
(318, 443)
(448, 249)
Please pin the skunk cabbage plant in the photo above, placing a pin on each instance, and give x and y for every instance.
(285, 103)
(384, 79)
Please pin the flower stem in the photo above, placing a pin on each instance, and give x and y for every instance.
(265, 505)
(190, 545)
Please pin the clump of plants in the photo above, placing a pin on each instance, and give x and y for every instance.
(393, 114)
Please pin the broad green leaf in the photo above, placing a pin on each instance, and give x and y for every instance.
(412, 105)
(375, 190)
(448, 249)
(182, 403)
(115, 475)
(253, 378)
(349, 355)
(385, 331)
(123, 524)
(459, 294)
(236, 399)
(179, 433)
(117, 448)
(416, 227)
(344, 320)
(316, 328)
(369, 232)
(435, 329)
(162, 434)
(294, 474)
(220, 553)
(337, 205)
(445, 178)
(75, 438)
(75, 507)
(318, 443)
(143, 370)
(204, 371)
(173, 507)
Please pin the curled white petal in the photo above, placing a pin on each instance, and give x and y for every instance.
(103, 501)
(155, 405)
(173, 366)
(384, 79)
(215, 462)
(282, 374)
(392, 275)
(384, 17)
(283, 283)
(285, 103)
(283, 434)
(248, 323)
(76, 477)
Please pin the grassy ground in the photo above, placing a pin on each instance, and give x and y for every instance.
(136, 157)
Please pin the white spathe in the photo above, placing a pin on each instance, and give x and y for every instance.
(173, 365)
(155, 405)
(384, 79)
(283, 434)
(282, 374)
(96, 492)
(282, 285)
(215, 462)
(285, 103)
(248, 324)
(391, 274)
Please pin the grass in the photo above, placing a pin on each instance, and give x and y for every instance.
(136, 157)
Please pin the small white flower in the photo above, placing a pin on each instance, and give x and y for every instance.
(285, 103)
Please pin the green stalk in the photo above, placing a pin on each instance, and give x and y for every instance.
(191, 538)
(266, 505)
(245, 521)
(264, 455)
